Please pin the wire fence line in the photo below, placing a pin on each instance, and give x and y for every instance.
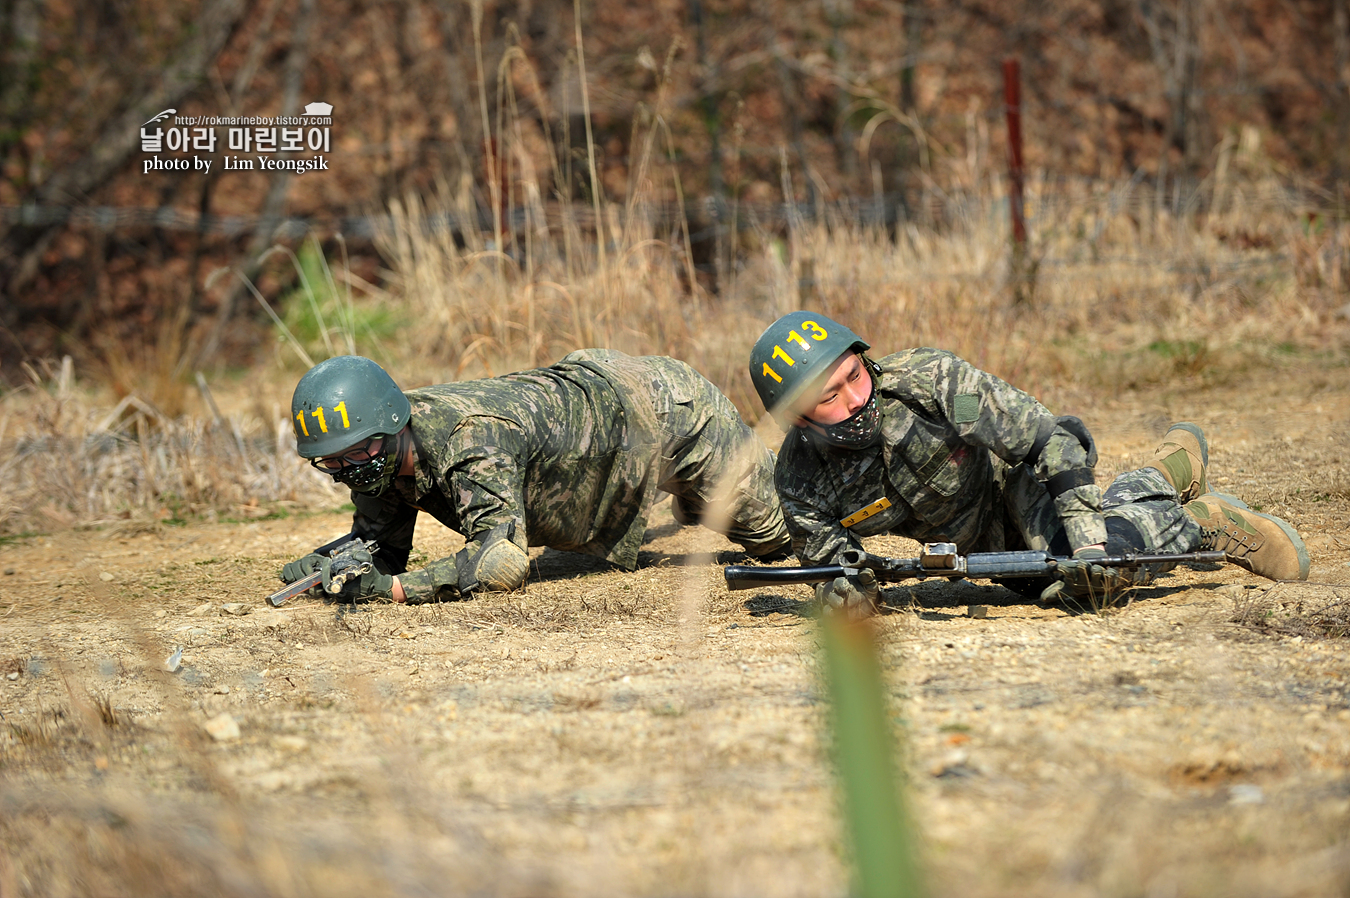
(709, 217)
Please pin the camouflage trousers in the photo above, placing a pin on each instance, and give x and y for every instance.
(1141, 509)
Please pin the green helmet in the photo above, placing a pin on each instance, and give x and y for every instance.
(345, 401)
(791, 353)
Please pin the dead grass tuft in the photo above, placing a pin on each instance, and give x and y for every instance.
(41, 729)
(107, 714)
(357, 625)
(582, 702)
(1318, 618)
(71, 463)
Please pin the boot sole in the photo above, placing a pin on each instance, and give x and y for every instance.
(1195, 431)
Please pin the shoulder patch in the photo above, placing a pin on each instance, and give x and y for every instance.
(966, 408)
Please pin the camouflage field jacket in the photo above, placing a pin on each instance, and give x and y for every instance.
(571, 453)
(947, 427)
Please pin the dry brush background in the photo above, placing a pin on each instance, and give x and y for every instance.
(652, 733)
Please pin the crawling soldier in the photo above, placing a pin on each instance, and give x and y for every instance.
(924, 445)
(570, 456)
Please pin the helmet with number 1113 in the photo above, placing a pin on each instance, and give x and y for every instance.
(792, 354)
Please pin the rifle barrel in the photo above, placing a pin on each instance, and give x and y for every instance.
(1132, 558)
(281, 597)
(748, 577)
(979, 565)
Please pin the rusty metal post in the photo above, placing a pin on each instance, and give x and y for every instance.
(1023, 268)
(1012, 101)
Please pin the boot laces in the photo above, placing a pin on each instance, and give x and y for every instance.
(1230, 539)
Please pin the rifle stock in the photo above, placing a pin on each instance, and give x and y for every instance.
(941, 560)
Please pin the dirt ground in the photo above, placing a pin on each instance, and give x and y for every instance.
(651, 733)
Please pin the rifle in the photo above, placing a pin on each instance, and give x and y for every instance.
(343, 568)
(942, 560)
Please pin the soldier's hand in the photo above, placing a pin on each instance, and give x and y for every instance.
(371, 584)
(497, 563)
(301, 567)
(1078, 578)
(854, 596)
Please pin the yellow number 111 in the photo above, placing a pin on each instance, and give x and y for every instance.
(317, 415)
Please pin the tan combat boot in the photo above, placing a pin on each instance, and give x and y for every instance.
(1182, 457)
(1261, 543)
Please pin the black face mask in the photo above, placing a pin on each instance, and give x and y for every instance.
(859, 430)
(373, 477)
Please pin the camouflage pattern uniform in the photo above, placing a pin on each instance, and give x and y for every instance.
(574, 455)
(968, 459)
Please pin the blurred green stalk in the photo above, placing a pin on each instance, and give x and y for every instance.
(880, 833)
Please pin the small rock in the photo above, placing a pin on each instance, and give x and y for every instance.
(174, 661)
(107, 577)
(274, 780)
(979, 612)
(222, 728)
(292, 743)
(1246, 793)
(222, 690)
(12, 675)
(160, 614)
(238, 608)
(269, 618)
(954, 764)
(9, 572)
(203, 608)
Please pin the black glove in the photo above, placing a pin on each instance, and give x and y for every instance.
(372, 583)
(1078, 578)
(301, 567)
(854, 596)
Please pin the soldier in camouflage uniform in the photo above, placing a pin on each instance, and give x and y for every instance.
(570, 456)
(924, 445)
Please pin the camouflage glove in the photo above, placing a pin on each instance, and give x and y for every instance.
(367, 585)
(854, 596)
(301, 567)
(1079, 578)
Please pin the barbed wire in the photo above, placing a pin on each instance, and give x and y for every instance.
(709, 216)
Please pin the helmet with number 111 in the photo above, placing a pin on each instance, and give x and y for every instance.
(342, 403)
(791, 354)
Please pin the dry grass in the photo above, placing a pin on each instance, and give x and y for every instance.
(71, 461)
(1126, 292)
(1293, 615)
(1125, 295)
(1249, 274)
